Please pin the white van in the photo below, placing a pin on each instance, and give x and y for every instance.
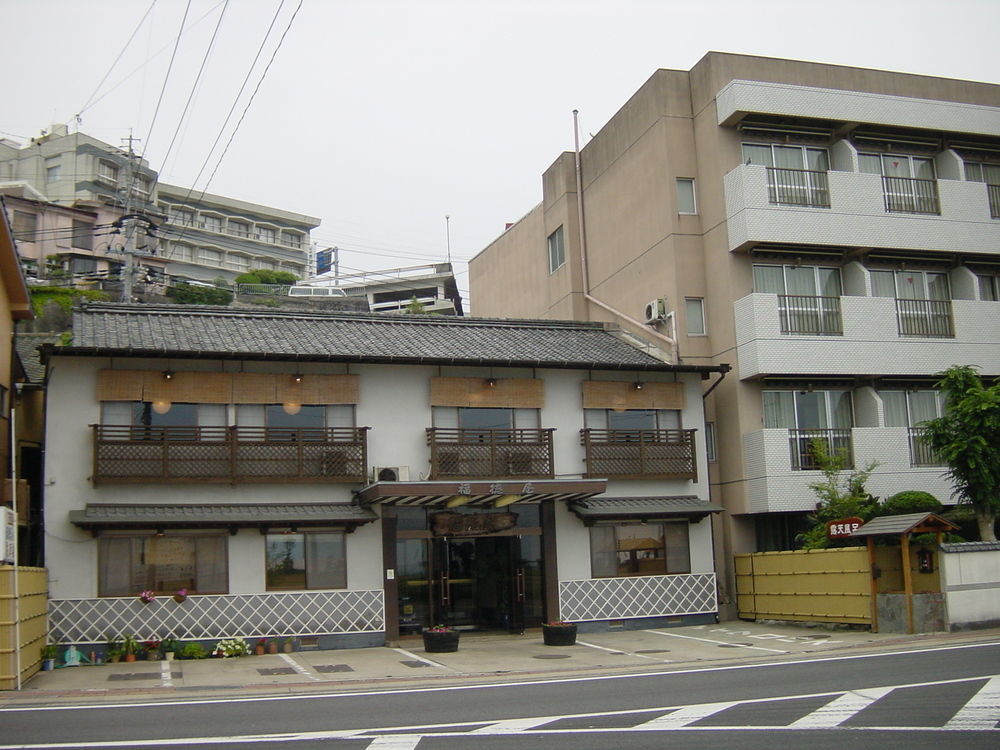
(316, 291)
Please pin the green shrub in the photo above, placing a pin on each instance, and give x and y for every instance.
(266, 276)
(65, 297)
(192, 651)
(909, 501)
(186, 294)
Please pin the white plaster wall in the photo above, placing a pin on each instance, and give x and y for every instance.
(855, 106)
(857, 216)
(870, 344)
(971, 582)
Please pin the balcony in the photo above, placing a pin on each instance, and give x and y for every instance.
(810, 316)
(490, 454)
(921, 453)
(798, 187)
(805, 447)
(861, 210)
(126, 454)
(880, 336)
(640, 454)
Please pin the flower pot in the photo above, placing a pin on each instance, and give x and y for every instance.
(48, 665)
(259, 650)
(441, 642)
(559, 635)
(272, 647)
(179, 598)
(129, 657)
(288, 647)
(153, 656)
(168, 655)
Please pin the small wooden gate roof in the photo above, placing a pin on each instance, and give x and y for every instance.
(909, 523)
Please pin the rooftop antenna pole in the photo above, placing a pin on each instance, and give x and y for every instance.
(447, 232)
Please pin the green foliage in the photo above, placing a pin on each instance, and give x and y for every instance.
(50, 651)
(65, 297)
(265, 276)
(414, 307)
(910, 501)
(841, 494)
(191, 651)
(130, 644)
(967, 438)
(186, 294)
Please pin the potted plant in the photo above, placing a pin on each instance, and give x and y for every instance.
(130, 647)
(288, 646)
(559, 633)
(272, 645)
(169, 648)
(49, 653)
(231, 647)
(192, 651)
(440, 639)
(147, 596)
(260, 648)
(180, 595)
(152, 648)
(114, 655)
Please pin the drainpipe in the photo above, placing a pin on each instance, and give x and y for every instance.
(671, 342)
(16, 588)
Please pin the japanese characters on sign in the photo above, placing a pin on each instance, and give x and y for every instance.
(843, 527)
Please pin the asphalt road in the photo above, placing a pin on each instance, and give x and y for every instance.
(913, 699)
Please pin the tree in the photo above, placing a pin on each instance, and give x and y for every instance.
(841, 495)
(414, 307)
(967, 438)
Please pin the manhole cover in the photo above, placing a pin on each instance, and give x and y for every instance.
(414, 664)
(323, 668)
(654, 651)
(135, 676)
(276, 670)
(552, 656)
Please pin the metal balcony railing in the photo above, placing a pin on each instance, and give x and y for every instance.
(798, 187)
(807, 315)
(805, 446)
(640, 454)
(994, 193)
(135, 454)
(921, 454)
(458, 453)
(911, 196)
(930, 318)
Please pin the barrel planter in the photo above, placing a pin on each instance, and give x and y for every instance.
(440, 641)
(559, 634)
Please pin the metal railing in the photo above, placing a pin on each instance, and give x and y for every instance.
(458, 453)
(806, 445)
(921, 454)
(803, 314)
(135, 454)
(931, 318)
(994, 193)
(911, 196)
(640, 454)
(272, 290)
(798, 187)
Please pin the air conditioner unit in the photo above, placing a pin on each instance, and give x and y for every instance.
(656, 310)
(390, 473)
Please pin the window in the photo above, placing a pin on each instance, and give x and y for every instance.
(211, 223)
(291, 420)
(811, 418)
(209, 257)
(83, 235)
(923, 306)
(910, 408)
(160, 416)
(290, 239)
(710, 441)
(182, 217)
(143, 185)
(197, 562)
(266, 234)
(694, 313)
(25, 226)
(978, 171)
(237, 262)
(52, 169)
(557, 250)
(314, 560)
(685, 196)
(786, 157)
(808, 297)
(238, 228)
(180, 252)
(267, 265)
(641, 549)
(107, 171)
(796, 175)
(907, 181)
(989, 286)
(632, 419)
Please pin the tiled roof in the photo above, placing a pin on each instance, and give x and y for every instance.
(207, 332)
(971, 547)
(642, 507)
(100, 515)
(902, 524)
(27, 349)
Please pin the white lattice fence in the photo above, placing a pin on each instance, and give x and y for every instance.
(637, 596)
(223, 616)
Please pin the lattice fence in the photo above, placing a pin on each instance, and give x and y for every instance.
(223, 616)
(637, 596)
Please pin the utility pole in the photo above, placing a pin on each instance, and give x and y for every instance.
(129, 219)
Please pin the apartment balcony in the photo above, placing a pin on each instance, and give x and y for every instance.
(921, 453)
(640, 454)
(765, 205)
(774, 483)
(238, 455)
(791, 335)
(490, 454)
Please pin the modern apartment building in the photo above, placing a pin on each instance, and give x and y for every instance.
(433, 285)
(352, 478)
(832, 232)
(197, 236)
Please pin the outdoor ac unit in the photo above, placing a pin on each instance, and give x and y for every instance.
(656, 310)
(390, 473)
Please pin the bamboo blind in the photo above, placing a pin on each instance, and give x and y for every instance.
(512, 393)
(619, 395)
(225, 387)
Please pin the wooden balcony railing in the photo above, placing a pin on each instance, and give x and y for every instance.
(798, 187)
(640, 454)
(930, 318)
(806, 315)
(133, 454)
(493, 454)
(921, 454)
(805, 444)
(911, 196)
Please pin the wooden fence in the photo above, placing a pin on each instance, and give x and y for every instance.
(23, 623)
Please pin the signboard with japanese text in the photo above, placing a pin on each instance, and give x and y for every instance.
(843, 527)
(449, 523)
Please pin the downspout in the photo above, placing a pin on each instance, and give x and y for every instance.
(16, 588)
(671, 342)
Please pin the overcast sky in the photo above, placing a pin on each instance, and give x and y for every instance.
(380, 117)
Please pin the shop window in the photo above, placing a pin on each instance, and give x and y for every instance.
(162, 563)
(314, 560)
(639, 549)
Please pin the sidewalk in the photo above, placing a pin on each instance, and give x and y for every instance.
(480, 658)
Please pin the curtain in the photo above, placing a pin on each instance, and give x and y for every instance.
(114, 576)
(678, 547)
(923, 406)
(603, 554)
(779, 409)
(894, 408)
(768, 279)
(883, 284)
(326, 563)
(212, 565)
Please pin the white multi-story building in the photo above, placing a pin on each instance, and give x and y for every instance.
(833, 232)
(352, 477)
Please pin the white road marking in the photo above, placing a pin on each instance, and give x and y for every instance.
(684, 716)
(623, 653)
(396, 742)
(418, 657)
(982, 711)
(840, 709)
(300, 668)
(166, 678)
(497, 685)
(514, 726)
(721, 643)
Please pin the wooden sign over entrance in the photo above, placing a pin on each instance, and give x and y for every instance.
(449, 523)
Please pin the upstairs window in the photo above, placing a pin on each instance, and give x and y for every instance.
(52, 169)
(914, 284)
(181, 216)
(632, 419)
(108, 171)
(557, 250)
(910, 408)
(685, 196)
(980, 171)
(786, 156)
(290, 239)
(25, 226)
(238, 228)
(989, 286)
(267, 234)
(211, 223)
(807, 410)
(83, 235)
(897, 165)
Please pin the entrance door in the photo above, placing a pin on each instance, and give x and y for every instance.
(480, 583)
